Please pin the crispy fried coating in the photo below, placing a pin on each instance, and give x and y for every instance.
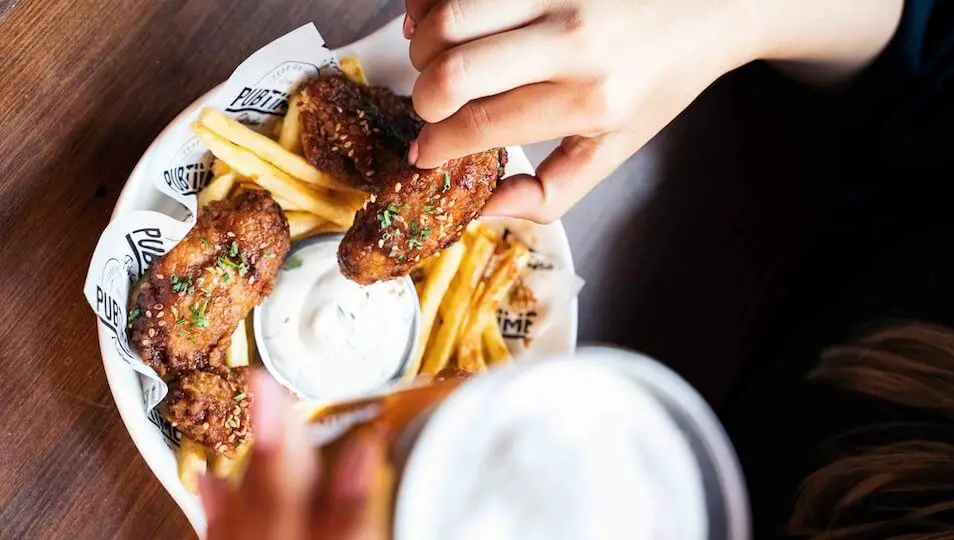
(358, 133)
(195, 295)
(417, 214)
(212, 409)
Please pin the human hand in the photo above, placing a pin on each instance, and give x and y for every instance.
(280, 495)
(605, 76)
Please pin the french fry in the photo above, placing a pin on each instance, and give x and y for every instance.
(302, 225)
(352, 70)
(250, 336)
(496, 347)
(218, 189)
(491, 292)
(230, 469)
(237, 353)
(455, 304)
(219, 168)
(290, 137)
(270, 151)
(436, 285)
(470, 357)
(193, 462)
(271, 178)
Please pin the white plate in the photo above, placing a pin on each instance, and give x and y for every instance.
(385, 59)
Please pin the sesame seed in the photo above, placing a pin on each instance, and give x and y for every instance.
(348, 144)
(334, 148)
(230, 234)
(148, 314)
(146, 343)
(251, 280)
(339, 109)
(360, 113)
(205, 426)
(236, 410)
(397, 187)
(351, 153)
(263, 245)
(161, 314)
(369, 173)
(232, 438)
(152, 332)
(381, 243)
(376, 130)
(415, 177)
(343, 137)
(337, 127)
(157, 307)
(160, 276)
(374, 197)
(162, 323)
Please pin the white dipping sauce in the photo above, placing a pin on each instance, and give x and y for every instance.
(329, 337)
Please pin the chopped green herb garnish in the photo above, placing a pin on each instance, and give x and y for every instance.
(224, 263)
(269, 254)
(447, 182)
(402, 258)
(242, 269)
(198, 318)
(226, 276)
(429, 209)
(394, 251)
(425, 233)
(233, 250)
(181, 285)
(134, 314)
(414, 227)
(292, 263)
(393, 208)
(204, 242)
(192, 340)
(385, 219)
(386, 236)
(240, 397)
(414, 243)
(181, 321)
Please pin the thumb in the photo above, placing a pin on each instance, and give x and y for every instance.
(562, 179)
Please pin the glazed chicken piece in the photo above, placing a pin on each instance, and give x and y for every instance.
(212, 409)
(194, 296)
(417, 214)
(360, 134)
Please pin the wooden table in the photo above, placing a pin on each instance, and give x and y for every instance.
(685, 249)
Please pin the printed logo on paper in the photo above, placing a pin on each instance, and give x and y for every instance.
(516, 325)
(146, 245)
(170, 433)
(269, 95)
(190, 168)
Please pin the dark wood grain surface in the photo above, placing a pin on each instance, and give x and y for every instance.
(685, 249)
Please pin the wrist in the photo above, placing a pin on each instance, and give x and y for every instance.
(818, 40)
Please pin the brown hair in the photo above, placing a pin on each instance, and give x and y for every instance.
(903, 487)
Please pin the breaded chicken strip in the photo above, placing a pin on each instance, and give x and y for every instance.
(195, 295)
(212, 409)
(417, 214)
(358, 133)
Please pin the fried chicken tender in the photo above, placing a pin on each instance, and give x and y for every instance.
(417, 214)
(195, 295)
(212, 409)
(360, 134)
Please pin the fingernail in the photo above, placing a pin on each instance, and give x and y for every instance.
(412, 153)
(267, 412)
(409, 26)
(211, 491)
